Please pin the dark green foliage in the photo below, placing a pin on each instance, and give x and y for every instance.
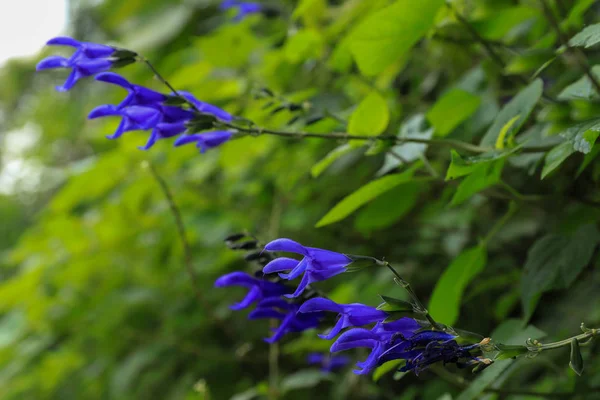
(485, 195)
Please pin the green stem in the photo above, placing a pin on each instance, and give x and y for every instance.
(536, 346)
(579, 56)
(413, 296)
(458, 144)
(512, 208)
(187, 250)
(489, 48)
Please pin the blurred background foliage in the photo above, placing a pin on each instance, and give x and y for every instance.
(95, 301)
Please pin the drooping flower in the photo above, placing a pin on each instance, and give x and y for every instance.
(259, 289)
(136, 95)
(243, 8)
(291, 320)
(207, 108)
(403, 339)
(133, 118)
(317, 264)
(350, 315)
(328, 362)
(205, 140)
(173, 122)
(89, 59)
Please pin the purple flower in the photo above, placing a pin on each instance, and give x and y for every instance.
(259, 289)
(244, 8)
(137, 95)
(317, 264)
(328, 362)
(291, 320)
(350, 315)
(207, 108)
(133, 118)
(173, 122)
(88, 59)
(205, 140)
(403, 339)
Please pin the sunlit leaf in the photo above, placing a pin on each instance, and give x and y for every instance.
(385, 36)
(446, 297)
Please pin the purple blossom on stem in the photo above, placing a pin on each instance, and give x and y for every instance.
(133, 118)
(403, 339)
(350, 315)
(291, 320)
(136, 95)
(317, 264)
(88, 59)
(207, 108)
(258, 289)
(205, 140)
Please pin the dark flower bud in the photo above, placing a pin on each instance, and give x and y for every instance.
(201, 122)
(248, 245)
(267, 92)
(234, 237)
(294, 119)
(278, 109)
(314, 119)
(253, 257)
(267, 105)
(294, 107)
(270, 11)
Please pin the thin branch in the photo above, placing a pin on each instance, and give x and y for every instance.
(413, 296)
(187, 252)
(579, 56)
(490, 49)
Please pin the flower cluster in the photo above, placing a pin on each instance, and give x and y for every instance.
(405, 339)
(165, 115)
(270, 303)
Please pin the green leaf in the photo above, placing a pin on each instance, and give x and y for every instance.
(370, 118)
(388, 208)
(332, 156)
(500, 22)
(414, 128)
(583, 135)
(385, 36)
(305, 44)
(533, 60)
(556, 156)
(445, 301)
(385, 368)
(483, 176)
(304, 379)
(365, 194)
(392, 304)
(588, 37)
(522, 104)
(554, 262)
(576, 361)
(504, 131)
(582, 89)
(451, 109)
(589, 157)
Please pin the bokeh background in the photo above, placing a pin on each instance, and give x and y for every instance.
(95, 300)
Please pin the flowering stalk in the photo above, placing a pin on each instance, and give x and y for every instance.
(256, 131)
